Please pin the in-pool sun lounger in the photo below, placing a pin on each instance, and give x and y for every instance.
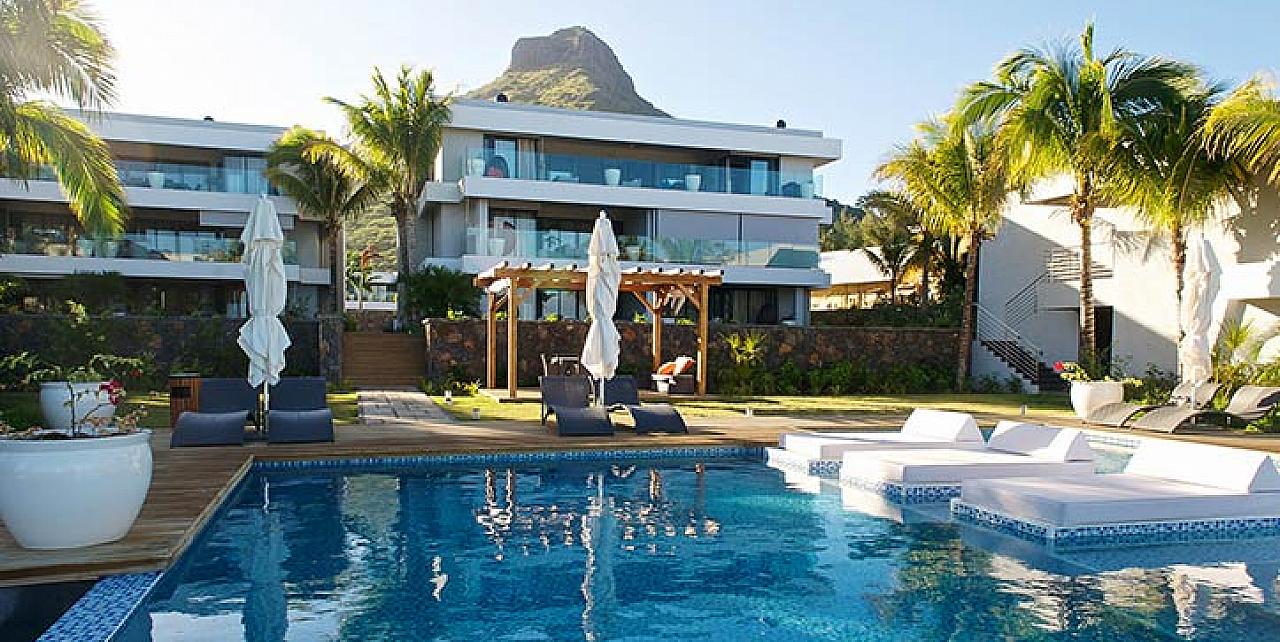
(1169, 491)
(936, 474)
(819, 453)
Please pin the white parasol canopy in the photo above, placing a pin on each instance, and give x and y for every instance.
(600, 354)
(1193, 351)
(263, 337)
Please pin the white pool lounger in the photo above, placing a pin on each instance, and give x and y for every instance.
(1170, 491)
(819, 453)
(936, 474)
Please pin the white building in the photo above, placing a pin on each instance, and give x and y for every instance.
(525, 183)
(856, 281)
(190, 185)
(1029, 284)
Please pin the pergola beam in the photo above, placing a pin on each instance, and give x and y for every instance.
(695, 285)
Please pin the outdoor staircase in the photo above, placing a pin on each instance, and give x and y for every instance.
(1021, 356)
(380, 360)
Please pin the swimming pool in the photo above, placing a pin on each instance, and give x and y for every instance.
(714, 548)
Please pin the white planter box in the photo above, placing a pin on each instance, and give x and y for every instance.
(1088, 395)
(58, 415)
(73, 492)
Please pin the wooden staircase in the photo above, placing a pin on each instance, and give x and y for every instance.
(382, 359)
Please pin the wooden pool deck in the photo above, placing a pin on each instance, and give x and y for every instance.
(188, 484)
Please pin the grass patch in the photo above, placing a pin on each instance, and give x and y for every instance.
(22, 409)
(1045, 405)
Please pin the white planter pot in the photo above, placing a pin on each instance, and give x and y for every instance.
(155, 179)
(612, 176)
(1088, 395)
(58, 415)
(73, 492)
(475, 167)
(693, 182)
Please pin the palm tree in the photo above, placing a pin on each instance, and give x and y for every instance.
(955, 175)
(360, 272)
(899, 209)
(56, 48)
(888, 245)
(1166, 173)
(397, 132)
(323, 189)
(1247, 125)
(1062, 111)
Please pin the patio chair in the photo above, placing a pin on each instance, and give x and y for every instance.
(1248, 404)
(621, 393)
(569, 399)
(299, 412)
(226, 406)
(1118, 414)
(673, 377)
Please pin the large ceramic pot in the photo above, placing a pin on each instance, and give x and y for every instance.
(475, 167)
(90, 401)
(693, 182)
(155, 179)
(1088, 395)
(69, 493)
(612, 176)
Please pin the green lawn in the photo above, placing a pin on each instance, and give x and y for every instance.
(22, 409)
(1009, 404)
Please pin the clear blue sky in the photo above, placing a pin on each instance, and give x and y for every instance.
(862, 72)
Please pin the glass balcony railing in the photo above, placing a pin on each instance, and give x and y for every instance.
(187, 176)
(622, 172)
(156, 245)
(572, 246)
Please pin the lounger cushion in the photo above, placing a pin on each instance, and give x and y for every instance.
(657, 418)
(1108, 499)
(1230, 469)
(832, 446)
(209, 429)
(582, 422)
(1044, 442)
(297, 426)
(951, 466)
(941, 425)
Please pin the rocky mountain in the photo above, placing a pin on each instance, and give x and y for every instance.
(571, 68)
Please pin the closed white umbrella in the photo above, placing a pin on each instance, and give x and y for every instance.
(263, 337)
(600, 354)
(1193, 351)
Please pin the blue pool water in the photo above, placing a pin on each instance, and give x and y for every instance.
(718, 549)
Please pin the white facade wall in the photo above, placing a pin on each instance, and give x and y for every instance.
(1245, 250)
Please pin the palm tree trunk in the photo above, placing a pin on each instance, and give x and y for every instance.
(927, 243)
(338, 291)
(402, 214)
(1088, 346)
(967, 329)
(1178, 247)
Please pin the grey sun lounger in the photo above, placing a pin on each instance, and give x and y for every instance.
(1248, 404)
(1118, 414)
(569, 399)
(298, 411)
(621, 393)
(226, 406)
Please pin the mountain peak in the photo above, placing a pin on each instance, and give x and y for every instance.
(572, 68)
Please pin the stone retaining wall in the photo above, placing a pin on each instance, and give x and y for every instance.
(458, 347)
(206, 345)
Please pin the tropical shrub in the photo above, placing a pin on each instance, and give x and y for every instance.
(437, 292)
(746, 356)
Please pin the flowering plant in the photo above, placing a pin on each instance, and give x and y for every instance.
(1076, 371)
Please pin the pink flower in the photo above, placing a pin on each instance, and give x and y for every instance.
(1058, 367)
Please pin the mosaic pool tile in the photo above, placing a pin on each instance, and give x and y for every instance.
(904, 493)
(539, 456)
(825, 468)
(100, 612)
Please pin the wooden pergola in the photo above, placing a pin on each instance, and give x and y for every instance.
(652, 287)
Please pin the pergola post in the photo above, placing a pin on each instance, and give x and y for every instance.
(655, 314)
(491, 343)
(513, 314)
(703, 311)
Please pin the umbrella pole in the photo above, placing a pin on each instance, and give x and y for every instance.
(266, 408)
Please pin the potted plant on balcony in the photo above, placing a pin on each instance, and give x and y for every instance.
(82, 485)
(1092, 386)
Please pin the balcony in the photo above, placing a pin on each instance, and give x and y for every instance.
(561, 245)
(154, 245)
(644, 174)
(189, 176)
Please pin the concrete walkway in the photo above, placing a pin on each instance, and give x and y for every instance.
(393, 406)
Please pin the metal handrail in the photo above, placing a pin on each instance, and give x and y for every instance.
(992, 329)
(1024, 303)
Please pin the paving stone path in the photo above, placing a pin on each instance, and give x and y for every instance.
(398, 406)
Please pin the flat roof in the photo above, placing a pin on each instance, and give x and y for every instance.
(519, 118)
(181, 132)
